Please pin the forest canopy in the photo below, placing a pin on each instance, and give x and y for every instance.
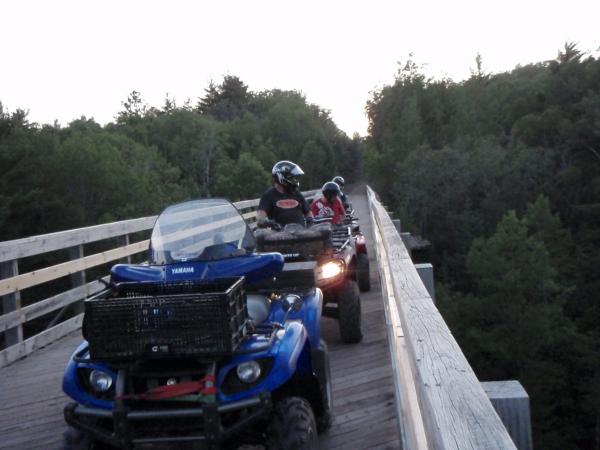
(83, 174)
(501, 172)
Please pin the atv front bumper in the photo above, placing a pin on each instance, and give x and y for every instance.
(204, 424)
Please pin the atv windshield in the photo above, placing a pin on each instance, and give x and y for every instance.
(201, 230)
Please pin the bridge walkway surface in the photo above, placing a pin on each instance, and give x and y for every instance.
(31, 397)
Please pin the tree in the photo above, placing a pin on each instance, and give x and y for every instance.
(515, 326)
(227, 101)
(246, 179)
(134, 107)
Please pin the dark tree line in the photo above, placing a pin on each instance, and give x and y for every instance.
(501, 173)
(57, 178)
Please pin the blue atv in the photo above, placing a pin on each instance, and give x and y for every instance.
(208, 345)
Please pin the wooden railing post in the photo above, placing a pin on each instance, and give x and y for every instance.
(511, 402)
(77, 278)
(425, 271)
(124, 242)
(11, 302)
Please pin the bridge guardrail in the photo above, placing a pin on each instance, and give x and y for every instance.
(441, 404)
(12, 283)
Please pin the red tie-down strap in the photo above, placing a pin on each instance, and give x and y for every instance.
(204, 386)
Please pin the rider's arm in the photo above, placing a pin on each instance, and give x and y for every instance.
(261, 218)
(315, 208)
(305, 209)
(265, 205)
(341, 206)
(340, 212)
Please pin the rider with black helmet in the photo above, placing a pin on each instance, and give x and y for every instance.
(283, 203)
(340, 182)
(330, 205)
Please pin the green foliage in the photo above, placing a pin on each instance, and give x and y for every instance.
(243, 179)
(59, 178)
(514, 326)
(462, 161)
(83, 175)
(227, 101)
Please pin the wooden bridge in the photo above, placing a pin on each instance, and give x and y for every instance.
(406, 385)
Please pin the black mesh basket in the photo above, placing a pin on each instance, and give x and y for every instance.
(166, 320)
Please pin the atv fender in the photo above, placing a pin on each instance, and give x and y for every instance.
(286, 353)
(255, 267)
(71, 383)
(309, 315)
(361, 244)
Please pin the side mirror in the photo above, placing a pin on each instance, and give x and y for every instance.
(291, 302)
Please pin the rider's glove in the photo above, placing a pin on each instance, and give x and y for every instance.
(264, 223)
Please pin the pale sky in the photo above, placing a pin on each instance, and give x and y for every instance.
(62, 59)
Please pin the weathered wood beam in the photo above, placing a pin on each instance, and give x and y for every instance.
(38, 309)
(26, 280)
(410, 420)
(39, 340)
(34, 245)
(456, 412)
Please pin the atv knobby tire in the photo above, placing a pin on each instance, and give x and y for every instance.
(349, 312)
(292, 426)
(362, 272)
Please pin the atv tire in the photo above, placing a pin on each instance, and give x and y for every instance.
(74, 439)
(362, 272)
(349, 316)
(324, 422)
(324, 418)
(292, 426)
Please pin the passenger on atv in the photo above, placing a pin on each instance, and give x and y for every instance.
(330, 204)
(283, 203)
(343, 197)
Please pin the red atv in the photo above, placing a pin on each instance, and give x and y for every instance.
(362, 258)
(334, 255)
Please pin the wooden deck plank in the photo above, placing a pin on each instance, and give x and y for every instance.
(364, 415)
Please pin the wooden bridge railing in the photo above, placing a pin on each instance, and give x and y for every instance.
(440, 402)
(12, 283)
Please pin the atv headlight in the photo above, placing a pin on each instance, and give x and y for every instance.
(237, 376)
(248, 371)
(100, 381)
(332, 269)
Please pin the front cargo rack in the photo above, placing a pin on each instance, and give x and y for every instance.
(145, 320)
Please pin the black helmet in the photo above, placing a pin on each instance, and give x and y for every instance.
(287, 174)
(331, 190)
(339, 181)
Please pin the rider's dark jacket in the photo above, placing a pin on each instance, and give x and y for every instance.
(285, 207)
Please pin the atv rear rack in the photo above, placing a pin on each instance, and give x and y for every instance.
(341, 237)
